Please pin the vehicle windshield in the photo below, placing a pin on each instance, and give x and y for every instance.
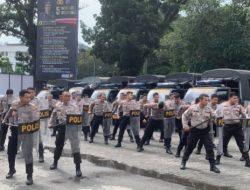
(162, 93)
(97, 92)
(194, 93)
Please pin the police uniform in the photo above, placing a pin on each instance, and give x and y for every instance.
(184, 135)
(117, 120)
(143, 119)
(199, 118)
(233, 127)
(125, 107)
(67, 130)
(135, 114)
(155, 122)
(86, 117)
(99, 108)
(212, 130)
(169, 124)
(6, 102)
(27, 119)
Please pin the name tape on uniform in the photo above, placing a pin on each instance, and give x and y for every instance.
(85, 108)
(74, 119)
(169, 113)
(135, 113)
(44, 114)
(107, 115)
(26, 128)
(220, 122)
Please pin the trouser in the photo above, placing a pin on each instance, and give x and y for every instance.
(86, 130)
(116, 123)
(12, 147)
(143, 124)
(200, 145)
(178, 127)
(4, 132)
(236, 131)
(194, 136)
(106, 123)
(97, 120)
(169, 126)
(183, 141)
(151, 127)
(125, 120)
(60, 141)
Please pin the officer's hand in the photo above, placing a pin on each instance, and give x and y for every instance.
(14, 113)
(186, 128)
(50, 126)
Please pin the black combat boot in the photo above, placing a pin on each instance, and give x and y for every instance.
(53, 166)
(247, 161)
(214, 169)
(226, 154)
(91, 140)
(106, 141)
(29, 171)
(119, 144)
(77, 161)
(12, 170)
(183, 165)
(130, 135)
(138, 141)
(217, 161)
(168, 146)
(178, 153)
(41, 151)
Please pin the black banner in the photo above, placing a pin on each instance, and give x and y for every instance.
(169, 113)
(135, 113)
(44, 114)
(107, 115)
(57, 39)
(26, 128)
(74, 119)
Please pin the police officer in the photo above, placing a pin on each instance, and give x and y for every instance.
(85, 115)
(155, 119)
(5, 103)
(67, 130)
(144, 114)
(27, 117)
(37, 103)
(98, 108)
(199, 116)
(56, 104)
(125, 107)
(232, 112)
(213, 105)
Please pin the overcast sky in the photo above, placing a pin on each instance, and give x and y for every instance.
(86, 14)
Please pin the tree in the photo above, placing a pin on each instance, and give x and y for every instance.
(210, 35)
(88, 65)
(22, 66)
(5, 65)
(18, 19)
(127, 31)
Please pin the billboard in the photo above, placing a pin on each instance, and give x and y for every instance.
(57, 41)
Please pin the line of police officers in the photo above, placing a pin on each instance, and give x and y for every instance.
(73, 114)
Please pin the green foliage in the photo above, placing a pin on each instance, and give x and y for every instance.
(18, 19)
(127, 31)
(22, 66)
(210, 35)
(88, 65)
(5, 65)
